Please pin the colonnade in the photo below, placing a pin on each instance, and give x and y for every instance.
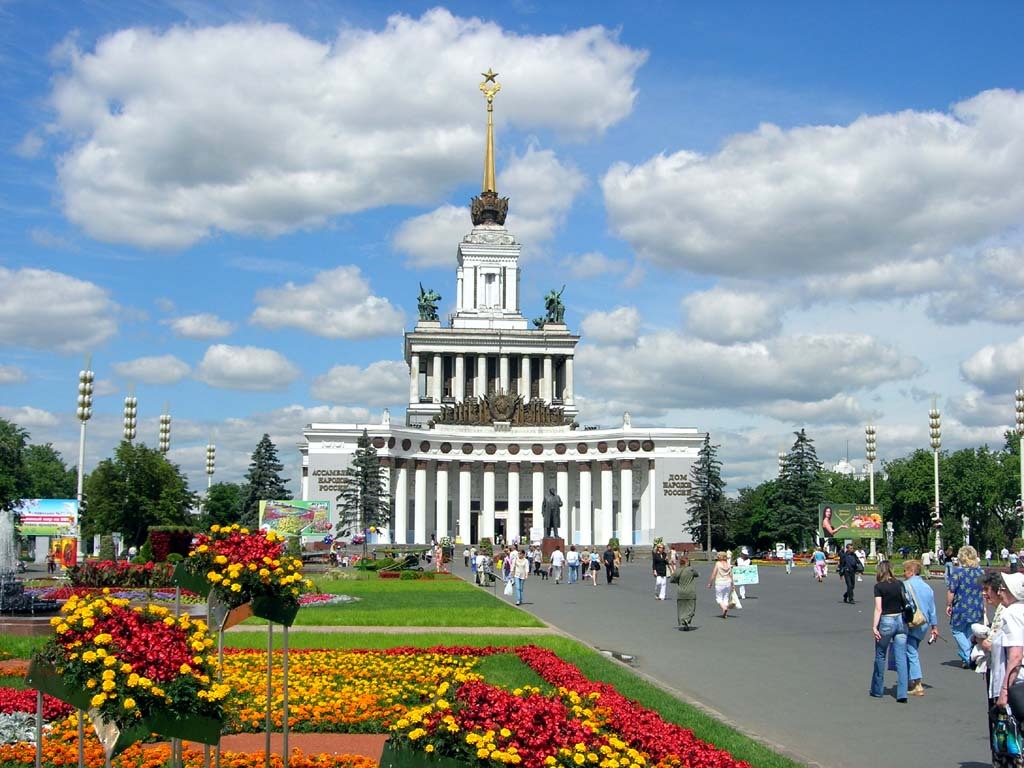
(512, 373)
(594, 506)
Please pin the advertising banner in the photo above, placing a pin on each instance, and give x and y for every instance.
(46, 517)
(308, 519)
(742, 575)
(849, 521)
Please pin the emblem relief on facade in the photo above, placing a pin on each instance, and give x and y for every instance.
(498, 407)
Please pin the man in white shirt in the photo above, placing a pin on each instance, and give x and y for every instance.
(787, 556)
(557, 561)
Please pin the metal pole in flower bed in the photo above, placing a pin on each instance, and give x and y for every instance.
(284, 687)
(270, 666)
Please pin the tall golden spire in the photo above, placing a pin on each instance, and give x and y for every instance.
(489, 92)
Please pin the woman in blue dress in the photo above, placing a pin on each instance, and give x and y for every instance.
(964, 602)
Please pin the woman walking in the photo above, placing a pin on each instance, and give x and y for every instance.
(594, 565)
(660, 572)
(721, 578)
(819, 564)
(1006, 635)
(963, 601)
(685, 578)
(888, 628)
(520, 573)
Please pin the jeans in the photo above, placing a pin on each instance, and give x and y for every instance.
(893, 630)
(574, 573)
(961, 632)
(519, 589)
(913, 657)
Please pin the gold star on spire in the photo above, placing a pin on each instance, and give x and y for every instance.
(489, 92)
(489, 75)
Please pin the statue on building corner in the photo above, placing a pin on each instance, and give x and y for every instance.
(552, 511)
(554, 306)
(428, 303)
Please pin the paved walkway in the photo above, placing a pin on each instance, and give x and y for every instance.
(791, 669)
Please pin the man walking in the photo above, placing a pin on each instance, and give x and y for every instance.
(787, 556)
(609, 563)
(849, 567)
(557, 562)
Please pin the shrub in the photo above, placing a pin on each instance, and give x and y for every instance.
(411, 575)
(165, 539)
(106, 547)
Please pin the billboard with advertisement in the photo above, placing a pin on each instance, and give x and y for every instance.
(308, 519)
(46, 517)
(849, 521)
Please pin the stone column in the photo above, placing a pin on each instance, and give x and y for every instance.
(441, 495)
(626, 502)
(414, 377)
(401, 501)
(387, 464)
(652, 496)
(512, 521)
(465, 493)
(547, 384)
(569, 396)
(487, 507)
(586, 511)
(503, 381)
(562, 489)
(606, 529)
(524, 371)
(419, 510)
(460, 378)
(481, 376)
(538, 495)
(438, 377)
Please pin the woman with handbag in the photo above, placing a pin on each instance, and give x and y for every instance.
(923, 599)
(721, 579)
(888, 627)
(1005, 691)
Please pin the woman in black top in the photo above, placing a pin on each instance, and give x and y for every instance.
(660, 572)
(888, 627)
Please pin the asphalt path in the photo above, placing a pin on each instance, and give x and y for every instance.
(792, 668)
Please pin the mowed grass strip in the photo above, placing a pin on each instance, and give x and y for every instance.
(418, 603)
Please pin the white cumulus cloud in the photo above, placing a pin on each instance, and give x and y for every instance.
(43, 309)
(247, 368)
(725, 316)
(156, 369)
(431, 239)
(381, 383)
(338, 304)
(824, 199)
(257, 129)
(12, 374)
(201, 326)
(27, 417)
(995, 367)
(593, 264)
(620, 326)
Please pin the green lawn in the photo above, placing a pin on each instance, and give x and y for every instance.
(419, 603)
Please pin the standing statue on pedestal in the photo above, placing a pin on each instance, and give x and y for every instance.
(428, 303)
(554, 306)
(552, 511)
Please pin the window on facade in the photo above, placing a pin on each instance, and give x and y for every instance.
(448, 382)
(536, 369)
(558, 370)
(514, 373)
(470, 368)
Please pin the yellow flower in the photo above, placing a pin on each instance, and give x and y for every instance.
(128, 703)
(429, 748)
(98, 699)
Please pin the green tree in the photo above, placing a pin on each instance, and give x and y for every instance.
(364, 500)
(223, 504)
(13, 473)
(135, 489)
(844, 489)
(707, 499)
(754, 512)
(801, 488)
(264, 480)
(48, 476)
(907, 497)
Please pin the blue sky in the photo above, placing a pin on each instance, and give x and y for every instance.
(769, 216)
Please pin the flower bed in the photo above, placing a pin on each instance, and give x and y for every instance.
(435, 704)
(107, 573)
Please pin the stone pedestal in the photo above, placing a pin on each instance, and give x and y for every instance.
(549, 545)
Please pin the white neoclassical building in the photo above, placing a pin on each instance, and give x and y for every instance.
(490, 423)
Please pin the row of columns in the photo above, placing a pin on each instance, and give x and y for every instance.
(547, 379)
(424, 526)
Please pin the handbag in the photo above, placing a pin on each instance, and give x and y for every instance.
(1005, 733)
(917, 618)
(908, 607)
(508, 588)
(1015, 701)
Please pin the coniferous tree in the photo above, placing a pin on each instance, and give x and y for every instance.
(707, 499)
(364, 500)
(264, 480)
(801, 488)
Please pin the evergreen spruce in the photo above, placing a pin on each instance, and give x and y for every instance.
(800, 490)
(364, 501)
(707, 497)
(264, 481)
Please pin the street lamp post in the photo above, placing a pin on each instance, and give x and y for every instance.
(965, 523)
(1019, 398)
(165, 431)
(935, 424)
(84, 413)
(211, 455)
(131, 411)
(870, 454)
